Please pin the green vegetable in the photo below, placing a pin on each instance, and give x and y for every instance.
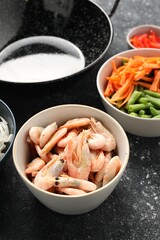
(155, 101)
(143, 103)
(139, 106)
(154, 111)
(143, 100)
(158, 116)
(146, 116)
(142, 112)
(135, 95)
(152, 94)
(134, 114)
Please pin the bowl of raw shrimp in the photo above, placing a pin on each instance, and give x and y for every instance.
(7, 130)
(128, 85)
(71, 162)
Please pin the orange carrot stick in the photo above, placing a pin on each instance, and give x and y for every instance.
(129, 93)
(156, 81)
(114, 66)
(151, 65)
(146, 85)
(139, 75)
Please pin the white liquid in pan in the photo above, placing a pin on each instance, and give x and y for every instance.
(40, 67)
(40, 59)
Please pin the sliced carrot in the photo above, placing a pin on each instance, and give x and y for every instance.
(146, 85)
(129, 93)
(139, 75)
(134, 71)
(120, 94)
(151, 65)
(114, 66)
(156, 81)
(109, 89)
(147, 79)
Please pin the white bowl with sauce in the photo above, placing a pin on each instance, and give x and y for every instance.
(63, 203)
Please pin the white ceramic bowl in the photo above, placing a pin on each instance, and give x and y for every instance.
(141, 29)
(62, 203)
(134, 125)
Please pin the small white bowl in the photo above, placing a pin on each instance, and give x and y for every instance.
(62, 203)
(141, 29)
(134, 125)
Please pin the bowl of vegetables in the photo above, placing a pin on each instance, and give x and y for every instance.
(54, 157)
(7, 130)
(129, 87)
(144, 36)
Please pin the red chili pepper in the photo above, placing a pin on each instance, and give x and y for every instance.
(146, 40)
(154, 45)
(136, 42)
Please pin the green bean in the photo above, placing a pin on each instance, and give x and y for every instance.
(142, 112)
(158, 116)
(154, 111)
(154, 101)
(152, 94)
(134, 114)
(146, 116)
(138, 106)
(135, 95)
(143, 100)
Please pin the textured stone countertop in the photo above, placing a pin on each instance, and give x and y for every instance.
(132, 211)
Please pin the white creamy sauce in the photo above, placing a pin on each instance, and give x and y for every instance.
(40, 67)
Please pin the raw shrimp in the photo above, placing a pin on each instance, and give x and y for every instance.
(83, 162)
(96, 141)
(99, 175)
(76, 123)
(35, 133)
(47, 133)
(35, 165)
(73, 182)
(111, 169)
(44, 178)
(70, 135)
(97, 127)
(97, 160)
(53, 141)
(46, 157)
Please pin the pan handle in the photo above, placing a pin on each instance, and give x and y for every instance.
(114, 8)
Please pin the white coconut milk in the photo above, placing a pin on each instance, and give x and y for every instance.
(40, 67)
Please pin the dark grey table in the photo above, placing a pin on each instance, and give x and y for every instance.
(132, 211)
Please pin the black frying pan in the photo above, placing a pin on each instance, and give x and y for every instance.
(80, 22)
